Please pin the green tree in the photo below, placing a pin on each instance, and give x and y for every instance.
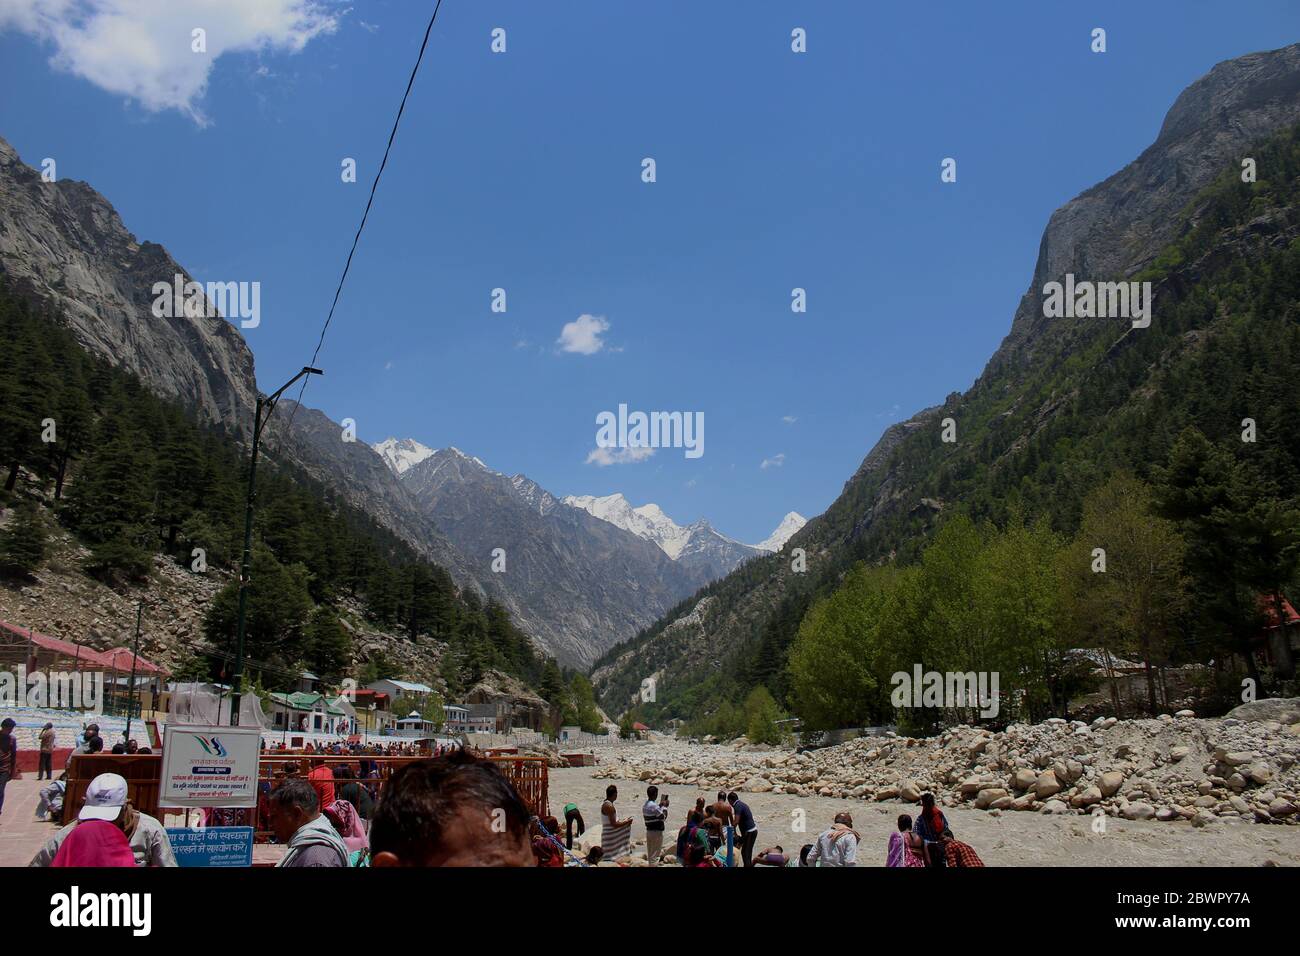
(277, 612)
(328, 646)
(761, 715)
(23, 542)
(1132, 604)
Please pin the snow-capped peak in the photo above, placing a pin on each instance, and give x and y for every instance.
(647, 521)
(478, 461)
(401, 454)
(790, 524)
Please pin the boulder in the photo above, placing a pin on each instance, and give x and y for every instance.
(1204, 818)
(1022, 780)
(1281, 808)
(1110, 783)
(985, 798)
(1046, 785)
(1281, 709)
(1137, 811)
(1086, 798)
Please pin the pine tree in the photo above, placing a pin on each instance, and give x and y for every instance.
(23, 542)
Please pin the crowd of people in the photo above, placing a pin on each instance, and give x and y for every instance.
(724, 833)
(451, 808)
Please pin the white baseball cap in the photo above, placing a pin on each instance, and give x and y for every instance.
(105, 798)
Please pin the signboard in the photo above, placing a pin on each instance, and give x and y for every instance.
(209, 766)
(212, 846)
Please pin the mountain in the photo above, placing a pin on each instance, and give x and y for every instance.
(64, 246)
(790, 524)
(698, 546)
(63, 243)
(577, 583)
(401, 455)
(1061, 404)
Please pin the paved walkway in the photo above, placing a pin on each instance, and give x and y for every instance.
(21, 834)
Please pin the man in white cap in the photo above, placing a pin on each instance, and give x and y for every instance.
(106, 800)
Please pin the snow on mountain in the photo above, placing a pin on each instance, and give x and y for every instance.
(402, 454)
(647, 521)
(405, 453)
(790, 524)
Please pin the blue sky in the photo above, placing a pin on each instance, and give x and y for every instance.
(522, 170)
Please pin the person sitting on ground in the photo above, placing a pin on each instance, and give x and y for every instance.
(457, 810)
(803, 856)
(905, 847)
(50, 806)
(956, 853)
(838, 846)
(106, 801)
(297, 822)
(694, 844)
(929, 826)
(772, 856)
(572, 818)
(594, 856)
(545, 850)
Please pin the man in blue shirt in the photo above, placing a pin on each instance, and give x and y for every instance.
(746, 825)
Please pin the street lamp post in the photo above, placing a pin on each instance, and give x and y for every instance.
(265, 406)
(135, 656)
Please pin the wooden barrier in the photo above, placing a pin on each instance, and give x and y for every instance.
(141, 771)
(528, 775)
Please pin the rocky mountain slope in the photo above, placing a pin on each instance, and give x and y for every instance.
(890, 505)
(63, 243)
(578, 584)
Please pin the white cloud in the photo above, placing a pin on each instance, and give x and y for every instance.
(789, 419)
(776, 461)
(583, 335)
(603, 457)
(142, 49)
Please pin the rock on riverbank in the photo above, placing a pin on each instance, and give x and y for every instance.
(1241, 768)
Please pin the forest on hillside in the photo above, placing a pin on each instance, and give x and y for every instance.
(132, 475)
(1175, 449)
